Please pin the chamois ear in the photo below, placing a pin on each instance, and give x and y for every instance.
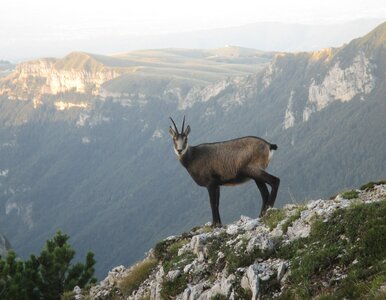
(187, 130)
(172, 132)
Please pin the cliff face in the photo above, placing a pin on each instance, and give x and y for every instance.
(36, 78)
(5, 246)
(300, 251)
(303, 83)
(299, 83)
(162, 73)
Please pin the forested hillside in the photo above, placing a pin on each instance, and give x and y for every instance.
(84, 145)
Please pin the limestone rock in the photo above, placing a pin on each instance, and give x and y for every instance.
(206, 269)
(251, 281)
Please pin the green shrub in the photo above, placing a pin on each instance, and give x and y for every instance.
(160, 249)
(171, 288)
(47, 276)
(370, 185)
(137, 275)
(353, 194)
(178, 261)
(167, 249)
(68, 296)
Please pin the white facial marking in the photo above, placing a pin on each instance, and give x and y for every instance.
(179, 144)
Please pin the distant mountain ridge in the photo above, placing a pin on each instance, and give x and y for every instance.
(97, 161)
(266, 36)
(138, 71)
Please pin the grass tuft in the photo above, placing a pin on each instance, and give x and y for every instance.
(69, 295)
(138, 274)
(273, 217)
(290, 220)
(353, 194)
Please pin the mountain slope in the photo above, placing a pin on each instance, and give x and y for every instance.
(323, 248)
(97, 162)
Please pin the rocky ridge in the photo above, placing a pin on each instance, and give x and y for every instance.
(303, 83)
(120, 76)
(31, 80)
(308, 82)
(239, 260)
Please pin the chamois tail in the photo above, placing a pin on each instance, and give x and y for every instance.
(272, 147)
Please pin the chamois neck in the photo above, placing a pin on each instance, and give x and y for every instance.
(185, 158)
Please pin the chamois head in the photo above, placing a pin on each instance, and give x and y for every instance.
(180, 140)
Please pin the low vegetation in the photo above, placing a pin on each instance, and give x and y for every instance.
(168, 249)
(137, 275)
(353, 194)
(234, 257)
(273, 217)
(276, 216)
(171, 288)
(292, 218)
(167, 253)
(342, 258)
(370, 185)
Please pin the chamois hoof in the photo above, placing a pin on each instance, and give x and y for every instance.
(216, 225)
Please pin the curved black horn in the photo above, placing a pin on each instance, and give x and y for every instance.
(183, 125)
(175, 127)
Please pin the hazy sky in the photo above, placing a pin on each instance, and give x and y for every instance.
(22, 21)
(160, 16)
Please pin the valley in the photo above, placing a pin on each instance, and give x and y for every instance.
(84, 143)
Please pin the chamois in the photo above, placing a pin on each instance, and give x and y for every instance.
(227, 163)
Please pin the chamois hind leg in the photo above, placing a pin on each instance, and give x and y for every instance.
(274, 182)
(264, 195)
(262, 176)
(214, 195)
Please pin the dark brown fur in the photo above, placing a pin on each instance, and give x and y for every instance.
(228, 163)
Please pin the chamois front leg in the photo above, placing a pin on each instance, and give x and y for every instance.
(214, 198)
(218, 204)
